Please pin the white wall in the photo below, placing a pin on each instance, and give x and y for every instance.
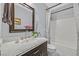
(40, 17)
(39, 22)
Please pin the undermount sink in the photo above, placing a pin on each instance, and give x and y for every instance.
(26, 40)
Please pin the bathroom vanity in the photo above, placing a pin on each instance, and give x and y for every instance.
(40, 50)
(25, 47)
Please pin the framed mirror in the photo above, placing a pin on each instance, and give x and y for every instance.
(22, 17)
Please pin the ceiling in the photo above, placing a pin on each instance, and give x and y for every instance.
(50, 4)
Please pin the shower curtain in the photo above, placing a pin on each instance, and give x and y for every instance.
(48, 15)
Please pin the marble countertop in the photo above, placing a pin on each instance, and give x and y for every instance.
(13, 49)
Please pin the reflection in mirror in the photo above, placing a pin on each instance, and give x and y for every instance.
(23, 18)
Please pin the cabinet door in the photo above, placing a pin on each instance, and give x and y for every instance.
(44, 49)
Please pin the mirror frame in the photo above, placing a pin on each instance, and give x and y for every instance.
(11, 27)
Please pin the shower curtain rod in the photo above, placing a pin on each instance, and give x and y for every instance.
(26, 5)
(53, 6)
(62, 10)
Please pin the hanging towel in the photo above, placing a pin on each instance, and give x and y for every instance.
(7, 15)
(10, 14)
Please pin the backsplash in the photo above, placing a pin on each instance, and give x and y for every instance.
(8, 38)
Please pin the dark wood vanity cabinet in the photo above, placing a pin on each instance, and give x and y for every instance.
(40, 50)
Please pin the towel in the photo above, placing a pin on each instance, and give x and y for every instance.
(7, 14)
